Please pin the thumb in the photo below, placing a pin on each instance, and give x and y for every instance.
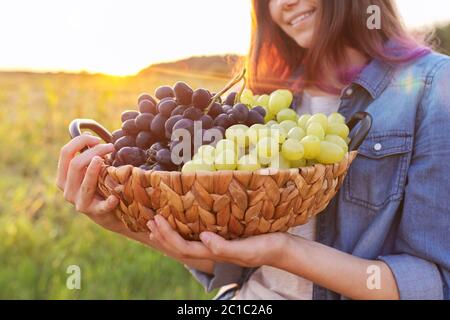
(106, 206)
(214, 242)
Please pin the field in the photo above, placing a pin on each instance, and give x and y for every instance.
(41, 235)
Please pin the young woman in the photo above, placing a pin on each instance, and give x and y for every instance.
(385, 236)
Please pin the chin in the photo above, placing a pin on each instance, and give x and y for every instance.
(304, 40)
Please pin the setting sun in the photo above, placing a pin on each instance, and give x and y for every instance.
(122, 37)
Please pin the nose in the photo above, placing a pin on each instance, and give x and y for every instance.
(288, 4)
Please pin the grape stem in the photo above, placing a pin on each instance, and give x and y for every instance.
(229, 85)
(238, 96)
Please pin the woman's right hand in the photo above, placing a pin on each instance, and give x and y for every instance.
(77, 177)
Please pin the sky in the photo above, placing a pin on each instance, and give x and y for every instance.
(121, 37)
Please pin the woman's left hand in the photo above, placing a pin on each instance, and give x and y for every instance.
(252, 252)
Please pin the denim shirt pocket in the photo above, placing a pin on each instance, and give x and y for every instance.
(378, 174)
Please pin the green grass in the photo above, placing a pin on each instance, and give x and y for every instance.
(41, 235)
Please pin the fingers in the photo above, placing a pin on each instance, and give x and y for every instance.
(246, 252)
(89, 184)
(219, 246)
(76, 174)
(163, 233)
(100, 207)
(68, 152)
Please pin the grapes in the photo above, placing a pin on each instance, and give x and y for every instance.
(129, 115)
(239, 113)
(287, 114)
(226, 160)
(287, 125)
(164, 92)
(316, 129)
(170, 123)
(269, 116)
(192, 113)
(226, 108)
(164, 157)
(146, 96)
(131, 155)
(292, 150)
(238, 134)
(318, 118)
(267, 147)
(303, 120)
(248, 162)
(263, 101)
(231, 98)
(253, 133)
(185, 124)
(215, 110)
(339, 129)
(311, 146)
(206, 153)
(279, 162)
(129, 127)
(299, 163)
(221, 129)
(296, 133)
(207, 121)
(153, 150)
(261, 110)
(145, 167)
(166, 106)
(222, 121)
(285, 141)
(330, 153)
(278, 132)
(143, 121)
(183, 93)
(125, 141)
(247, 97)
(201, 98)
(277, 102)
(116, 135)
(287, 94)
(337, 140)
(158, 126)
(178, 111)
(147, 106)
(197, 165)
(336, 118)
(254, 117)
(144, 140)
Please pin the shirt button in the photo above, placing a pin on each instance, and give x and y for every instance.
(377, 147)
(349, 92)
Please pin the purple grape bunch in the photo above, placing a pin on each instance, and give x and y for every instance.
(144, 140)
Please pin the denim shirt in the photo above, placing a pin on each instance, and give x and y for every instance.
(394, 205)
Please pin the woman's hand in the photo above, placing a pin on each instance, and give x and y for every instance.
(77, 177)
(252, 252)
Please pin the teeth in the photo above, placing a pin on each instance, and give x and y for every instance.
(302, 17)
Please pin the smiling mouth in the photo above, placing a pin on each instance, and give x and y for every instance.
(302, 17)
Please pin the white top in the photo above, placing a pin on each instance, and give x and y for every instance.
(268, 283)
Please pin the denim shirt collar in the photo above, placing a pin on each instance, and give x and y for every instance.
(375, 77)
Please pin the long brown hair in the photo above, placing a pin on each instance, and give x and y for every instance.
(341, 24)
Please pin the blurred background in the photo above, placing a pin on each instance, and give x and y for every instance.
(61, 60)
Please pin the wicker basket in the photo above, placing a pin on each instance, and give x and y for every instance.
(233, 204)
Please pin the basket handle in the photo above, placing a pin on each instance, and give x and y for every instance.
(366, 124)
(77, 125)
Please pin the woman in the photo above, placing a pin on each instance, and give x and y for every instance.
(385, 235)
